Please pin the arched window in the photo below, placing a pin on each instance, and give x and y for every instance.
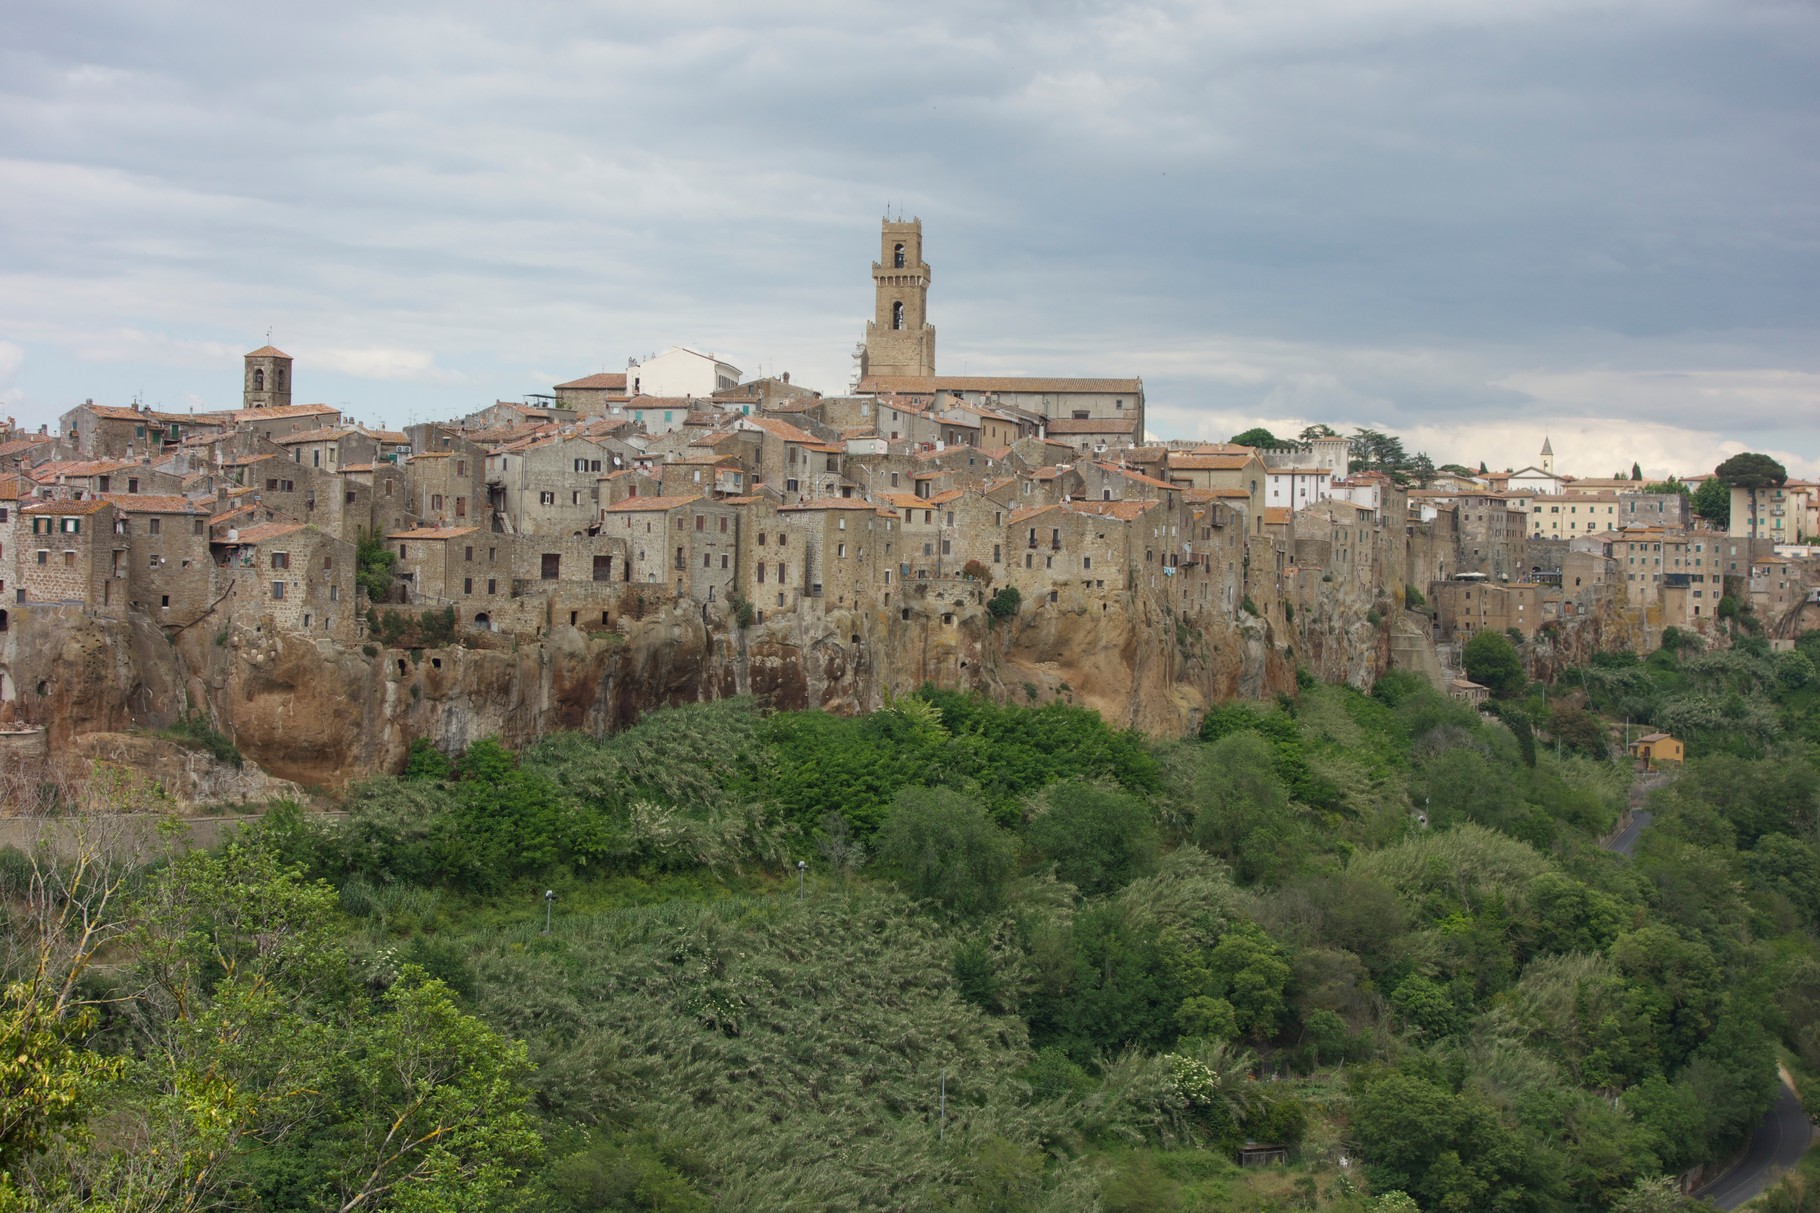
(278, 380)
(897, 258)
(897, 314)
(259, 379)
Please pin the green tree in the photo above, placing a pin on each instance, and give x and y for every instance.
(1578, 730)
(1491, 661)
(1098, 838)
(941, 846)
(1258, 436)
(373, 563)
(1753, 473)
(1713, 501)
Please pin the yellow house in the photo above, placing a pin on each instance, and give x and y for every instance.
(1657, 747)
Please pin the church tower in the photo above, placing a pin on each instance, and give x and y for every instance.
(899, 338)
(1548, 456)
(268, 379)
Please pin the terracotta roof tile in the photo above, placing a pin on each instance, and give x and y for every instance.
(1091, 425)
(639, 505)
(153, 503)
(91, 505)
(605, 379)
(264, 532)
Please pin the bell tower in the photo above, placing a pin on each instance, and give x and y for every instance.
(268, 379)
(899, 338)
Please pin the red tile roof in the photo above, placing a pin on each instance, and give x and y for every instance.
(639, 505)
(153, 503)
(606, 379)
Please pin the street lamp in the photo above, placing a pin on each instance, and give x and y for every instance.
(802, 868)
(549, 900)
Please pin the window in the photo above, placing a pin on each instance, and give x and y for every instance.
(278, 591)
(152, 526)
(461, 507)
(552, 565)
(461, 467)
(723, 525)
(897, 257)
(546, 499)
(259, 379)
(281, 560)
(467, 585)
(897, 314)
(492, 586)
(761, 573)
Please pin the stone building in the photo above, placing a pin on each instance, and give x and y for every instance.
(71, 555)
(268, 379)
(167, 541)
(448, 486)
(547, 485)
(690, 543)
(294, 576)
(899, 338)
(1469, 604)
(593, 395)
(839, 540)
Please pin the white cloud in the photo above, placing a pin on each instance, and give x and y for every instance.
(390, 365)
(1455, 220)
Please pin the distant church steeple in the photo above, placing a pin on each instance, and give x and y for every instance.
(899, 338)
(268, 378)
(1548, 456)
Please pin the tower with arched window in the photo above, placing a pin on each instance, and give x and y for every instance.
(899, 338)
(268, 378)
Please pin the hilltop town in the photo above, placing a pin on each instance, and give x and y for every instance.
(677, 531)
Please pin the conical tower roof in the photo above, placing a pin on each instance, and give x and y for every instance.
(1546, 449)
(268, 351)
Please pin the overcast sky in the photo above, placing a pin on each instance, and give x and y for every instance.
(1469, 223)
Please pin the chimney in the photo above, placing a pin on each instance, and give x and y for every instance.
(221, 495)
(786, 378)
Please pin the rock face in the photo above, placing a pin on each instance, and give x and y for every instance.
(318, 715)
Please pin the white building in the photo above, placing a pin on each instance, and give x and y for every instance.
(680, 372)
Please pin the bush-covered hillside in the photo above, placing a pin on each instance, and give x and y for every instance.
(1029, 963)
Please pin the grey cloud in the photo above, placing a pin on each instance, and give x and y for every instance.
(1400, 211)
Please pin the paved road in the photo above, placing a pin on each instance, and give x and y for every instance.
(1777, 1146)
(1785, 1134)
(1626, 841)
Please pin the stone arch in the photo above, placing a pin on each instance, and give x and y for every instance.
(259, 379)
(483, 620)
(897, 314)
(897, 257)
